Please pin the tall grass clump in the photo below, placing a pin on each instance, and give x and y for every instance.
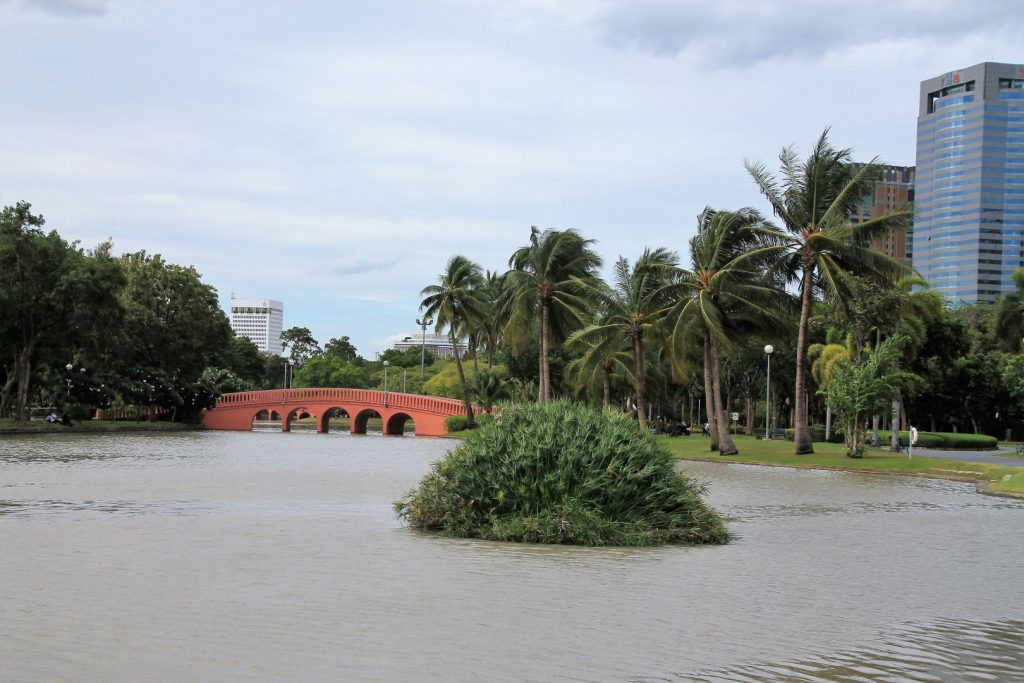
(561, 472)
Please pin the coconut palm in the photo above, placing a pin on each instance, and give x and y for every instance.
(633, 306)
(491, 322)
(728, 295)
(452, 303)
(600, 360)
(487, 388)
(544, 283)
(814, 200)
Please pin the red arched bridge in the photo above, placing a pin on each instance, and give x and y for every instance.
(427, 413)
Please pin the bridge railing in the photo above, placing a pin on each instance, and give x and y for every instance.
(429, 404)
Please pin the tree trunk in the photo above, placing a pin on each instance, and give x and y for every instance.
(874, 431)
(802, 436)
(641, 385)
(725, 444)
(23, 370)
(749, 431)
(895, 427)
(828, 422)
(544, 394)
(709, 393)
(5, 393)
(470, 422)
(606, 382)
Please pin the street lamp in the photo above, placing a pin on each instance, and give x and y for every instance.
(423, 345)
(385, 384)
(768, 348)
(287, 374)
(405, 373)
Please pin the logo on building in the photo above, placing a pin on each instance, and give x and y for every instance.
(952, 78)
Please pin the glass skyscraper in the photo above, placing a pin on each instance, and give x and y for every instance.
(969, 197)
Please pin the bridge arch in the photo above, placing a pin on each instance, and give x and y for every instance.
(324, 423)
(362, 417)
(297, 413)
(395, 425)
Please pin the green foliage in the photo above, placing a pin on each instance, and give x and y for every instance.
(300, 344)
(343, 349)
(330, 371)
(561, 473)
(409, 358)
(455, 423)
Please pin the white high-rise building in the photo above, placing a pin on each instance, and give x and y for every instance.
(260, 320)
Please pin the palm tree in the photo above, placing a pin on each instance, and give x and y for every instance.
(601, 360)
(544, 281)
(491, 322)
(814, 200)
(825, 361)
(728, 296)
(632, 307)
(452, 303)
(487, 389)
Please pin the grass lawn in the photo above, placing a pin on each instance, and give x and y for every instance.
(8, 426)
(830, 456)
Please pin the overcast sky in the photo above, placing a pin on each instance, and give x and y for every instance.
(334, 155)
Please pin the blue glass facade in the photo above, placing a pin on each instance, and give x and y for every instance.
(969, 203)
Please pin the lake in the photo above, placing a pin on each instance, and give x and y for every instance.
(221, 556)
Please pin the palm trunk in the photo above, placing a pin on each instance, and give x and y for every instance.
(23, 370)
(544, 391)
(749, 429)
(802, 436)
(641, 386)
(709, 393)
(606, 385)
(470, 422)
(725, 444)
(828, 422)
(894, 440)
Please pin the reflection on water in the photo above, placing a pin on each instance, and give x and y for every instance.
(269, 556)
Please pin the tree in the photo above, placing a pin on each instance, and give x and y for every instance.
(58, 302)
(814, 200)
(602, 355)
(330, 371)
(632, 308)
(487, 388)
(244, 360)
(173, 330)
(343, 350)
(1010, 315)
(301, 343)
(725, 296)
(544, 283)
(452, 303)
(856, 392)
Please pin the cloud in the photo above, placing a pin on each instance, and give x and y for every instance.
(740, 33)
(66, 8)
(356, 264)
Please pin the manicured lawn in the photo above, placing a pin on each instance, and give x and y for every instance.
(833, 457)
(8, 426)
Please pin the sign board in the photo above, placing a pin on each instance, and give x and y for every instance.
(735, 417)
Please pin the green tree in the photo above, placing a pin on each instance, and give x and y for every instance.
(244, 360)
(1010, 315)
(58, 303)
(330, 371)
(544, 283)
(487, 388)
(633, 308)
(452, 303)
(601, 356)
(857, 392)
(814, 200)
(725, 297)
(343, 349)
(173, 330)
(300, 344)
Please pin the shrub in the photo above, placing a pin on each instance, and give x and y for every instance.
(947, 440)
(561, 473)
(817, 434)
(455, 423)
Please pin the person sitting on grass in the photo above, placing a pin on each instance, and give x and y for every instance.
(51, 417)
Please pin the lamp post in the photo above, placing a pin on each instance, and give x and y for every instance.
(385, 384)
(68, 368)
(405, 373)
(423, 344)
(768, 394)
(287, 374)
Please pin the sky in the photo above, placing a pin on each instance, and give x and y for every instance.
(335, 155)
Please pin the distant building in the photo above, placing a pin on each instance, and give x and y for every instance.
(260, 320)
(438, 344)
(969, 203)
(893, 191)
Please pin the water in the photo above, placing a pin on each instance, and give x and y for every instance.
(269, 557)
